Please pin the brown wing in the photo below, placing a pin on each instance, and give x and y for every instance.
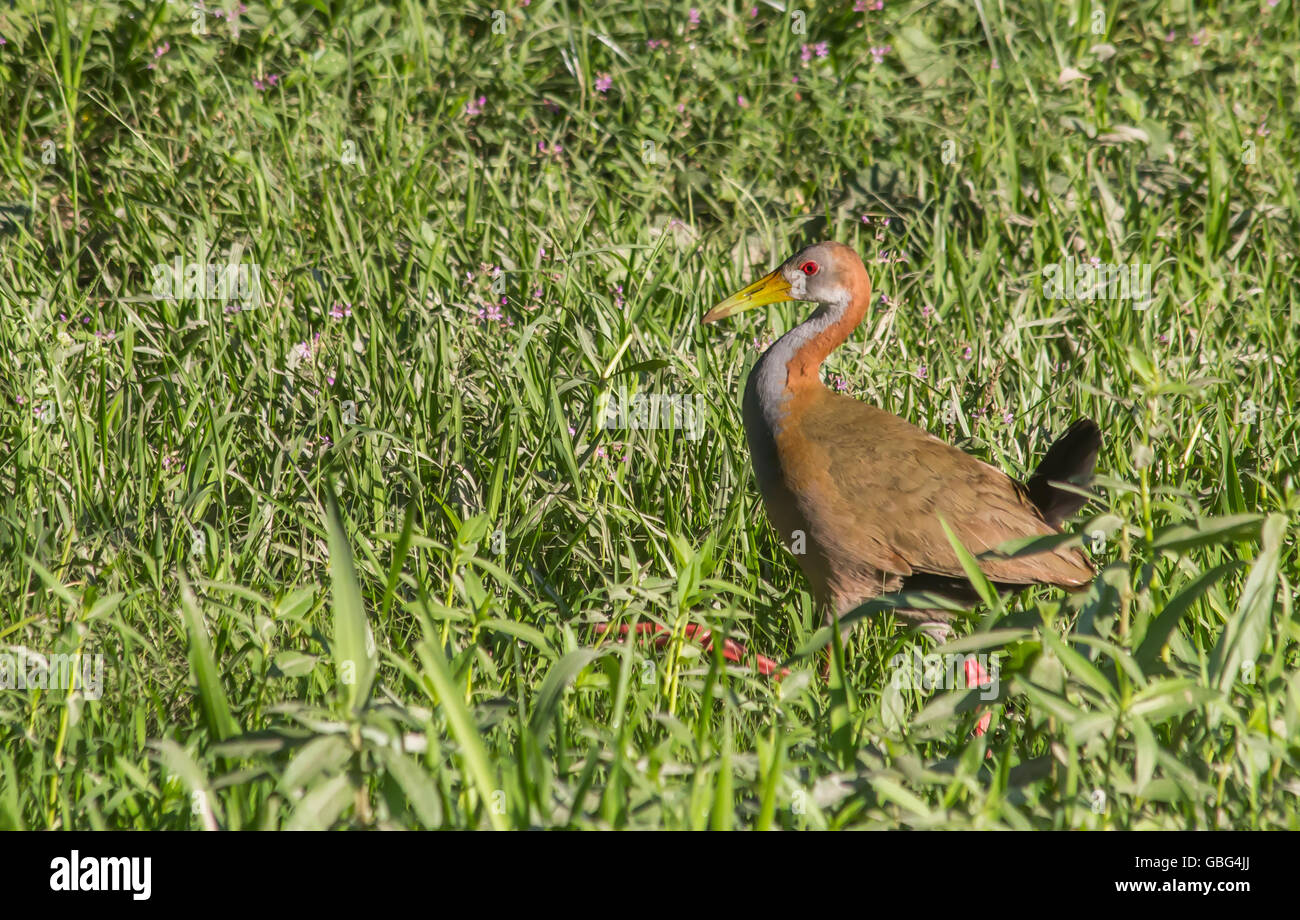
(881, 485)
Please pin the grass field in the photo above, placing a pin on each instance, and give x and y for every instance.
(471, 230)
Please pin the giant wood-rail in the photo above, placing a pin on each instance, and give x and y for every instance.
(867, 490)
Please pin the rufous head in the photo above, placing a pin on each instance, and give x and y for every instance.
(826, 273)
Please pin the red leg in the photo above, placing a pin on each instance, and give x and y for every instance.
(731, 651)
(976, 676)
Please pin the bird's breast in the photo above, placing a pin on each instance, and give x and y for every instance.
(769, 411)
(762, 421)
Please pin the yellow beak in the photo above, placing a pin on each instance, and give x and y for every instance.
(772, 288)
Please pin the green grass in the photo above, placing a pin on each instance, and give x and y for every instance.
(356, 580)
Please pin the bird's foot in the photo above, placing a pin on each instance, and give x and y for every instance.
(731, 651)
(976, 676)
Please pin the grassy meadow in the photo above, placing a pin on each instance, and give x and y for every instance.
(346, 527)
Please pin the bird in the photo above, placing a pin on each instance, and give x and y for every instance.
(862, 495)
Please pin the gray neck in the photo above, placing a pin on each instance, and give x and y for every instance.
(768, 379)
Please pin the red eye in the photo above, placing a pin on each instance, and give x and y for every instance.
(808, 268)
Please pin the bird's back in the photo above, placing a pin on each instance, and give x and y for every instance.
(870, 490)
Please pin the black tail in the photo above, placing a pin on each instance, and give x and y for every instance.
(1071, 460)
